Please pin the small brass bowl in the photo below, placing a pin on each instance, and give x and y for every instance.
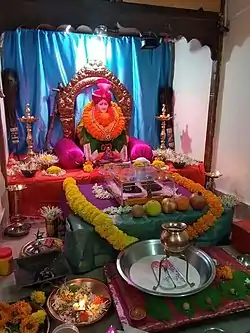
(29, 173)
(180, 165)
(137, 314)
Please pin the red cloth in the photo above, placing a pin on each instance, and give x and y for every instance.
(193, 172)
(241, 236)
(45, 190)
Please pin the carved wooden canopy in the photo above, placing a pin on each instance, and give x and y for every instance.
(87, 77)
(191, 24)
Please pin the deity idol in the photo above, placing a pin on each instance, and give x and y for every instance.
(101, 130)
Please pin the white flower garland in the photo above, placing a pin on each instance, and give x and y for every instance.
(117, 210)
(172, 156)
(100, 193)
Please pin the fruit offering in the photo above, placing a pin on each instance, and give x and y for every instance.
(168, 206)
(182, 203)
(152, 208)
(198, 201)
(137, 211)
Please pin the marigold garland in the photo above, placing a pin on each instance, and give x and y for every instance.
(102, 222)
(98, 129)
(215, 207)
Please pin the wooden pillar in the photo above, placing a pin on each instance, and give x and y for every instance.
(214, 92)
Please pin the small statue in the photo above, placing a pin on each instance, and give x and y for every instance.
(101, 130)
(108, 156)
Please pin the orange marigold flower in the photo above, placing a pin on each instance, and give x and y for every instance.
(29, 325)
(4, 314)
(224, 272)
(19, 311)
(215, 207)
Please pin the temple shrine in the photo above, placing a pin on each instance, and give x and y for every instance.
(124, 167)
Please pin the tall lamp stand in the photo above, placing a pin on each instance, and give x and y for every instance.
(29, 120)
(17, 227)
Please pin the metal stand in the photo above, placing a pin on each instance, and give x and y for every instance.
(18, 226)
(210, 180)
(162, 266)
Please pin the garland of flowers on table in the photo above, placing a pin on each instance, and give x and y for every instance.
(215, 207)
(103, 223)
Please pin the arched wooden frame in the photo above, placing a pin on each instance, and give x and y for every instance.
(85, 78)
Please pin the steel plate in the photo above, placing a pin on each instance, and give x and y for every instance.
(204, 265)
(96, 286)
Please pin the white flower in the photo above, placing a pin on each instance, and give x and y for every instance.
(117, 210)
(50, 213)
(172, 156)
(100, 193)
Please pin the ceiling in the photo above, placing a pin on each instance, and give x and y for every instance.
(208, 5)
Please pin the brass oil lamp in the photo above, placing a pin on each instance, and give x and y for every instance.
(163, 118)
(29, 120)
(210, 179)
(174, 239)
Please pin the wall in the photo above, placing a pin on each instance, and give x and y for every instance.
(210, 5)
(193, 66)
(232, 152)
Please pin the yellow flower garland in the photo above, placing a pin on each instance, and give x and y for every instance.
(215, 207)
(102, 222)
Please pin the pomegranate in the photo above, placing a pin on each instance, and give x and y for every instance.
(198, 201)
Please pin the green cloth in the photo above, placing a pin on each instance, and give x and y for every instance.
(116, 144)
(86, 250)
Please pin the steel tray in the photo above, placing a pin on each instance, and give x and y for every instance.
(204, 265)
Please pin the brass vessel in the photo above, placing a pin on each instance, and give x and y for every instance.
(174, 237)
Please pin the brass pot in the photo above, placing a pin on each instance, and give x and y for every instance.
(174, 237)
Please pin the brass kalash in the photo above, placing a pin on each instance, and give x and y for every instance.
(175, 240)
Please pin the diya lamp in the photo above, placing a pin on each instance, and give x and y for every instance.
(210, 179)
(174, 239)
(28, 119)
(163, 118)
(18, 227)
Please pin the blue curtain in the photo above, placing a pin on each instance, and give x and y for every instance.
(42, 59)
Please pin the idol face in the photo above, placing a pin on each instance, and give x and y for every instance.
(103, 106)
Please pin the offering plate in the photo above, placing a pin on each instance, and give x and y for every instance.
(97, 287)
(138, 263)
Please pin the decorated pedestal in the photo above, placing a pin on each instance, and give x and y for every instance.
(86, 250)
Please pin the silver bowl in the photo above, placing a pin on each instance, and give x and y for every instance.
(204, 265)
